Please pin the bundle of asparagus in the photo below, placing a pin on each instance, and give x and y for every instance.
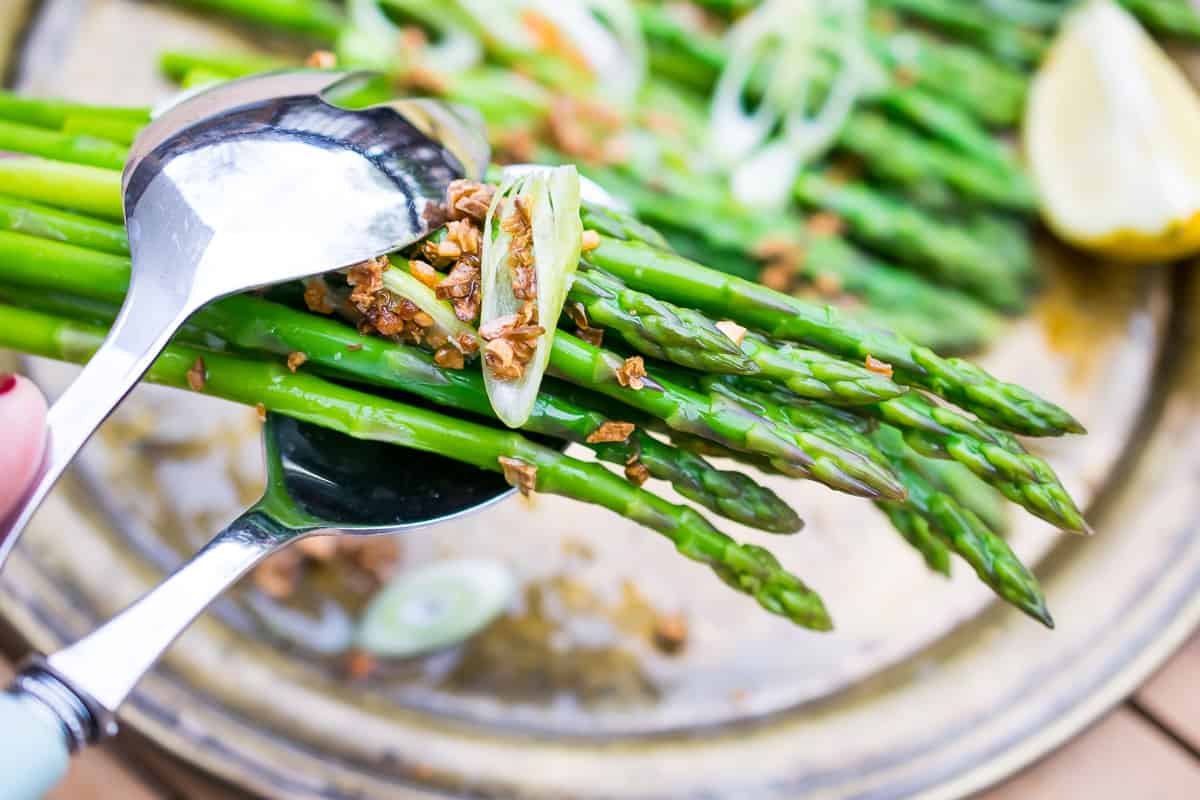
(671, 362)
(932, 241)
(541, 106)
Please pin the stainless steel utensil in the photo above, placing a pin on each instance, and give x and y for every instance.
(249, 183)
(317, 480)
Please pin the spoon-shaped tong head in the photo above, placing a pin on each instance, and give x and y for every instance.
(254, 182)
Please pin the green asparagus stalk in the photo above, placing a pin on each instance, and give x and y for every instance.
(797, 453)
(724, 236)
(688, 338)
(316, 18)
(176, 64)
(944, 319)
(44, 222)
(48, 113)
(957, 128)
(994, 456)
(1165, 17)
(935, 432)
(120, 131)
(894, 153)
(831, 424)
(1168, 17)
(657, 329)
(620, 225)
(749, 569)
(988, 90)
(989, 555)
(946, 251)
(91, 190)
(974, 23)
(970, 491)
(916, 531)
(731, 494)
(77, 149)
(675, 279)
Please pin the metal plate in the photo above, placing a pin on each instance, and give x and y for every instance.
(925, 689)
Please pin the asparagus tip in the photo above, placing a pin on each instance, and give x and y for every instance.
(1041, 614)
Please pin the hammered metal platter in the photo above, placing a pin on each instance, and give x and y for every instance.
(926, 689)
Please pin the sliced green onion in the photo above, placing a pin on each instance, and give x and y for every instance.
(399, 281)
(785, 52)
(434, 607)
(553, 197)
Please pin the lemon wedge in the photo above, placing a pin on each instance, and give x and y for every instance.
(1112, 133)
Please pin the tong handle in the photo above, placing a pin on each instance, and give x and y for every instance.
(34, 752)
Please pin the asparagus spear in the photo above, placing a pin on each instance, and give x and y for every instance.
(675, 279)
(91, 190)
(988, 90)
(1166, 17)
(796, 453)
(945, 250)
(316, 18)
(48, 113)
(970, 491)
(176, 64)
(688, 338)
(749, 569)
(941, 318)
(731, 494)
(896, 154)
(657, 329)
(940, 433)
(832, 424)
(989, 555)
(993, 455)
(44, 222)
(974, 23)
(78, 149)
(253, 324)
(916, 531)
(896, 299)
(953, 125)
(1169, 17)
(121, 131)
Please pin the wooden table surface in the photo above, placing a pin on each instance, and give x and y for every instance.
(1146, 749)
